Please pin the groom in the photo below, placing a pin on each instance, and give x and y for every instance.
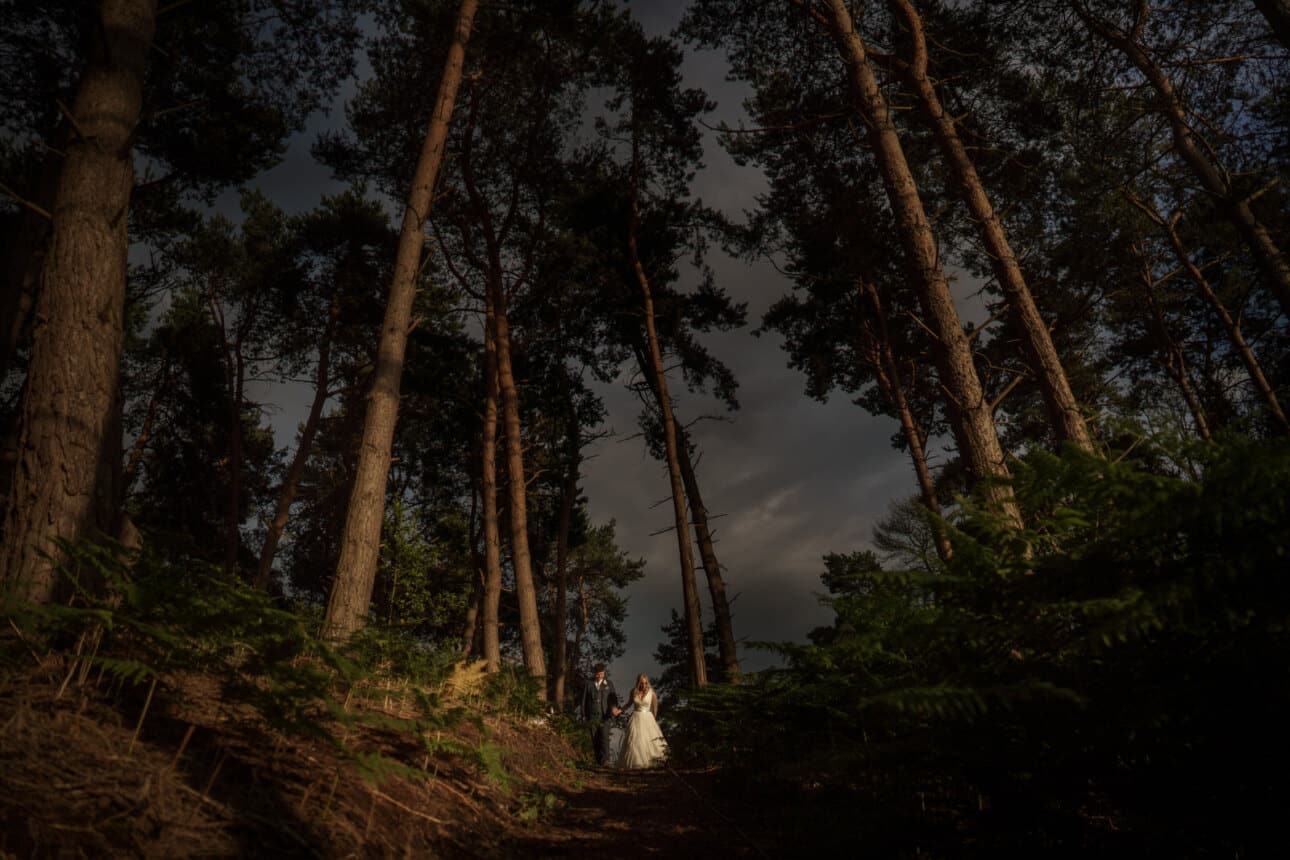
(599, 705)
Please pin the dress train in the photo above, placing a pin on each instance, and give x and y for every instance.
(644, 745)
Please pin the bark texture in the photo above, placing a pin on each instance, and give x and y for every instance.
(970, 415)
(351, 593)
(1041, 355)
(488, 482)
(521, 559)
(67, 466)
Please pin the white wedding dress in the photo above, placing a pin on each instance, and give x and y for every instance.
(644, 745)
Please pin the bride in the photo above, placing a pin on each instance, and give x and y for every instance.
(644, 745)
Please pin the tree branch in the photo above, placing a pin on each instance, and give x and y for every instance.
(25, 203)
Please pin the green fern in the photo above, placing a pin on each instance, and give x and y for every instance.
(490, 761)
(1099, 647)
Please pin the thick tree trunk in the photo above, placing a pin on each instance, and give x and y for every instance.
(1194, 152)
(351, 593)
(1278, 14)
(711, 567)
(1063, 409)
(488, 481)
(68, 465)
(893, 388)
(656, 374)
(969, 412)
(291, 483)
(521, 560)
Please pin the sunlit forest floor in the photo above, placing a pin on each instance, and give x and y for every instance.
(96, 775)
(92, 774)
(85, 776)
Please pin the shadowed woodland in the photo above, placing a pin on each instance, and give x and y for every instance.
(1045, 240)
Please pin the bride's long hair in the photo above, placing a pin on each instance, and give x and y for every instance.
(642, 686)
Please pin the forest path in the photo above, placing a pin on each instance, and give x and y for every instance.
(664, 811)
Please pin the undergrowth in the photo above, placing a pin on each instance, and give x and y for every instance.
(142, 623)
(1111, 677)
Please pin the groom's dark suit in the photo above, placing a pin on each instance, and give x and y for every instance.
(598, 703)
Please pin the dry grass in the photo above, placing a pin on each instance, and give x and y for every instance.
(204, 779)
(208, 779)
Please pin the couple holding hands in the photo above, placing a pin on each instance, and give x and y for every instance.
(641, 743)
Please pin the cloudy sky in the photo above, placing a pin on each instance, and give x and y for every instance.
(789, 478)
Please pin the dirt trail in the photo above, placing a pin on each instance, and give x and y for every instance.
(667, 812)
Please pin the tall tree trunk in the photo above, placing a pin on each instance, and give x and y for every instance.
(291, 483)
(583, 619)
(1278, 14)
(472, 630)
(893, 388)
(708, 556)
(1230, 325)
(234, 375)
(1063, 409)
(1177, 367)
(517, 487)
(1193, 152)
(521, 560)
(969, 412)
(140, 444)
(1175, 359)
(488, 481)
(657, 375)
(65, 478)
(351, 593)
(233, 513)
(567, 498)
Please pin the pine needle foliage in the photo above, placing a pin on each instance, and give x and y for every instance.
(1119, 661)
